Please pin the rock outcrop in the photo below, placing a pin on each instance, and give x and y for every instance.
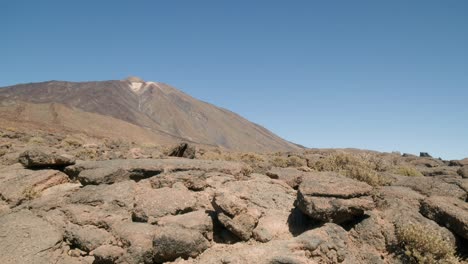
(449, 212)
(330, 197)
(41, 159)
(179, 210)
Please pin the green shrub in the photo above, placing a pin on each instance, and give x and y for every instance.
(422, 245)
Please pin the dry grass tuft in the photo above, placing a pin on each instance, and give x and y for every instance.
(36, 140)
(424, 246)
(359, 167)
(31, 193)
(408, 171)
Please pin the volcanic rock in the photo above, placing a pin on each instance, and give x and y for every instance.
(449, 212)
(331, 197)
(40, 159)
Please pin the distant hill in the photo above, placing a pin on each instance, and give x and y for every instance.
(132, 109)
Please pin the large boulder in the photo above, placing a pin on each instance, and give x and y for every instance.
(36, 158)
(111, 171)
(88, 237)
(463, 171)
(139, 240)
(241, 204)
(193, 180)
(172, 242)
(327, 244)
(19, 185)
(398, 208)
(183, 150)
(107, 254)
(330, 197)
(449, 212)
(200, 221)
(26, 238)
(292, 176)
(152, 204)
(431, 186)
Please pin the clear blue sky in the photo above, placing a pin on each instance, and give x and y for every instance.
(382, 75)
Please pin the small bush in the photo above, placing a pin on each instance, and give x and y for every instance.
(279, 161)
(422, 245)
(295, 161)
(408, 171)
(251, 158)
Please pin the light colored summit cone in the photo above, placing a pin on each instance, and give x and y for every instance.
(136, 83)
(135, 79)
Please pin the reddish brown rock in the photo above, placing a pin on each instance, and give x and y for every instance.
(331, 197)
(42, 159)
(449, 212)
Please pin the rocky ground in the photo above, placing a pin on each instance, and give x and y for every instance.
(75, 199)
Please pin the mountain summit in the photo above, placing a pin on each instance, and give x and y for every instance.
(132, 109)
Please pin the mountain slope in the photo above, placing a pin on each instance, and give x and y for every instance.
(156, 108)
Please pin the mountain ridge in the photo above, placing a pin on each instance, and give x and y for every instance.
(154, 106)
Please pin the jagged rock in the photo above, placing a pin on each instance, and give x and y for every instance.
(331, 197)
(111, 171)
(276, 225)
(41, 159)
(198, 220)
(120, 194)
(439, 171)
(327, 244)
(241, 225)
(88, 237)
(399, 207)
(99, 216)
(292, 176)
(193, 180)
(449, 212)
(427, 162)
(151, 204)
(138, 237)
(107, 254)
(26, 238)
(183, 150)
(173, 242)
(424, 155)
(20, 185)
(240, 204)
(463, 171)
(430, 186)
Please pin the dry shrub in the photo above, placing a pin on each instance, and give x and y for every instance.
(408, 171)
(72, 141)
(295, 161)
(251, 158)
(31, 193)
(360, 168)
(36, 140)
(279, 161)
(87, 154)
(211, 155)
(424, 245)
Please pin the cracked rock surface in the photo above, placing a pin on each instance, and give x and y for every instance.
(179, 210)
